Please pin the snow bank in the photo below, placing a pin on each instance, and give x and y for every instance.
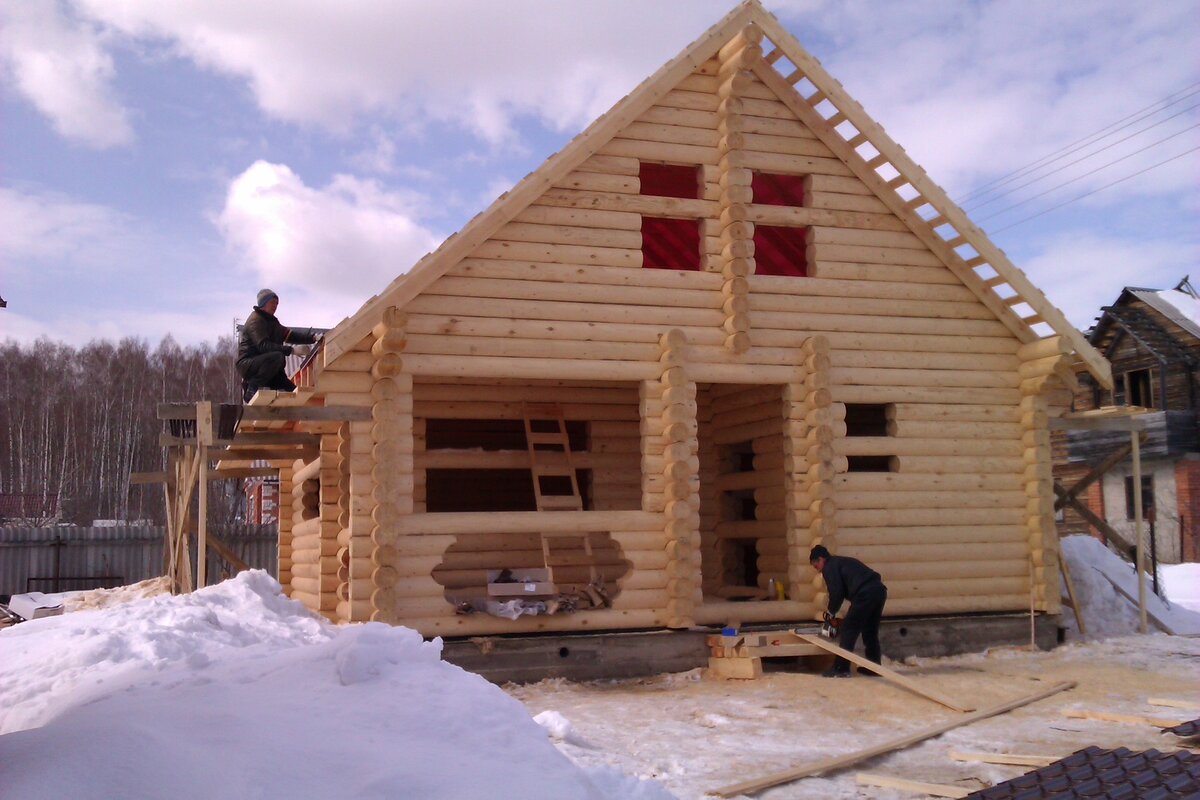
(236, 691)
(1182, 584)
(1094, 570)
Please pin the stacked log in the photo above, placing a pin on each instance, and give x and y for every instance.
(812, 427)
(391, 438)
(285, 528)
(1042, 364)
(328, 510)
(307, 547)
(736, 231)
(670, 447)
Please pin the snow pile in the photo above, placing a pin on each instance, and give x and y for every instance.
(1182, 584)
(1094, 571)
(238, 692)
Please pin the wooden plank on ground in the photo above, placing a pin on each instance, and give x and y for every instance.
(1004, 758)
(882, 671)
(830, 764)
(890, 782)
(1129, 719)
(1170, 702)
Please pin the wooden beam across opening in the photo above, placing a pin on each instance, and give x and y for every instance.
(258, 413)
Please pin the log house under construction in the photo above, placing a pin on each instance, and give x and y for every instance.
(728, 321)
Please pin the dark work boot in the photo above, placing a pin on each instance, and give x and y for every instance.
(836, 673)
(248, 391)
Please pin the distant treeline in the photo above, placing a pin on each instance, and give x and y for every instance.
(75, 421)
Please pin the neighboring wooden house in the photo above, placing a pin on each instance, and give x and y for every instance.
(1152, 339)
(761, 327)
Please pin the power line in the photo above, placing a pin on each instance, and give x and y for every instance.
(1084, 158)
(1100, 134)
(1105, 186)
(1089, 172)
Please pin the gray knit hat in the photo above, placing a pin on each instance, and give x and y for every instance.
(264, 297)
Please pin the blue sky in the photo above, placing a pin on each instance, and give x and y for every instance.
(161, 162)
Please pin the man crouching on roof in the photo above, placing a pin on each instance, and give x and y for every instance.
(264, 347)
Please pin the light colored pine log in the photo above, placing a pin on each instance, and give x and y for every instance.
(482, 624)
(660, 151)
(932, 499)
(858, 323)
(887, 445)
(866, 306)
(618, 238)
(530, 348)
(899, 240)
(894, 482)
(559, 253)
(473, 287)
(580, 218)
(911, 394)
(664, 114)
(910, 517)
(600, 182)
(866, 254)
(566, 311)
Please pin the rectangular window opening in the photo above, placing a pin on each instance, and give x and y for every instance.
(871, 420)
(771, 189)
(1147, 497)
(1140, 389)
(780, 251)
(671, 243)
(669, 180)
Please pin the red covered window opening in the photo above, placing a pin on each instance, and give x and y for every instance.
(669, 243)
(777, 190)
(779, 250)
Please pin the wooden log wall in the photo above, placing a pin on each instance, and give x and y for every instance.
(736, 232)
(557, 297)
(670, 450)
(329, 511)
(306, 545)
(811, 425)
(609, 409)
(392, 469)
(285, 528)
(713, 561)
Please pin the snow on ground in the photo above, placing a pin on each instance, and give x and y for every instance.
(236, 691)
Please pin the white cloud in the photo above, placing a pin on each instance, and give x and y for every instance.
(1080, 271)
(477, 65)
(62, 68)
(44, 227)
(328, 247)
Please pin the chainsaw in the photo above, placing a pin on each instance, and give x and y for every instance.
(829, 625)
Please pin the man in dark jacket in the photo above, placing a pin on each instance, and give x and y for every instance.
(264, 347)
(849, 579)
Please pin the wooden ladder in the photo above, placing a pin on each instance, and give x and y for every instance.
(550, 457)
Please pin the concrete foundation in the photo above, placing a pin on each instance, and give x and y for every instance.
(598, 656)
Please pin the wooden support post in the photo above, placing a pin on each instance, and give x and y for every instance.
(1138, 528)
(830, 764)
(204, 438)
(675, 428)
(810, 464)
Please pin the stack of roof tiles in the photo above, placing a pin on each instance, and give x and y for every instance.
(1119, 774)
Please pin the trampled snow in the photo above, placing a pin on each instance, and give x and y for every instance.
(237, 692)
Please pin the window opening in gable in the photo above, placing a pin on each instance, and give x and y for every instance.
(778, 249)
(1140, 388)
(669, 242)
(770, 189)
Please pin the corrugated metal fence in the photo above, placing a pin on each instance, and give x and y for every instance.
(66, 558)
